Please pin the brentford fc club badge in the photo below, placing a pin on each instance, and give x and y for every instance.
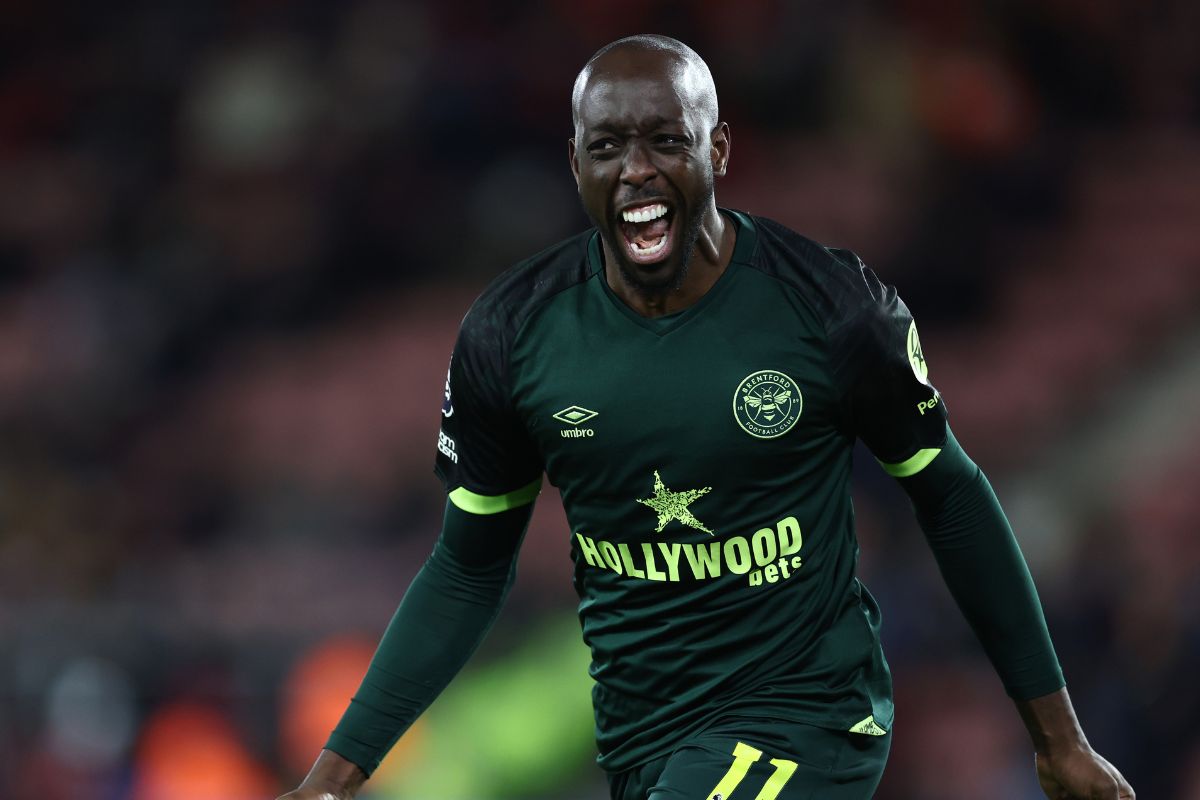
(767, 404)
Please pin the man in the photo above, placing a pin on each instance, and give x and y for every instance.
(693, 379)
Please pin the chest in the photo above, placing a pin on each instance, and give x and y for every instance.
(741, 391)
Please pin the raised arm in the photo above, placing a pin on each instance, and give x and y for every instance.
(444, 615)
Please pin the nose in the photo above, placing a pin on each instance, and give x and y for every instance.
(637, 168)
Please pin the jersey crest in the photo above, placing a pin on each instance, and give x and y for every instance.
(767, 404)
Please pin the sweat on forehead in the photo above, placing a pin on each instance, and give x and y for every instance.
(641, 55)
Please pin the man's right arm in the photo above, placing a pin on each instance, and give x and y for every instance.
(444, 615)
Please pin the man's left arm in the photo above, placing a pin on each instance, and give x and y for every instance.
(982, 565)
(900, 415)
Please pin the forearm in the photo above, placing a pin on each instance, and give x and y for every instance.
(1051, 722)
(443, 617)
(983, 567)
(334, 775)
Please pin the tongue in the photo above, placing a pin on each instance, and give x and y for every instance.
(644, 234)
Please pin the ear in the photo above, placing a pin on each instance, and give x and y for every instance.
(720, 149)
(574, 156)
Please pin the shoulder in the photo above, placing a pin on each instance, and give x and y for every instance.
(516, 294)
(833, 282)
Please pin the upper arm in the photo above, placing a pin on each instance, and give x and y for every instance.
(486, 458)
(483, 542)
(894, 408)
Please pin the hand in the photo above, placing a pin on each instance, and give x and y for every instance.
(1080, 773)
(331, 778)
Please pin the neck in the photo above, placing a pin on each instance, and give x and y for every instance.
(710, 258)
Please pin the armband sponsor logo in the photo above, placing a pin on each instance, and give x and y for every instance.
(447, 447)
(930, 404)
(767, 404)
(768, 556)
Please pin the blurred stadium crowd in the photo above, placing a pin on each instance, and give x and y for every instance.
(236, 239)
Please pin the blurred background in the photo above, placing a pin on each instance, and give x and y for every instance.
(236, 239)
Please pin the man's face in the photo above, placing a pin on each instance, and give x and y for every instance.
(644, 159)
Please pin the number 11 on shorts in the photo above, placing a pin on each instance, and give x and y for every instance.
(743, 756)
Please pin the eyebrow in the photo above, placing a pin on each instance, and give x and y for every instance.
(654, 122)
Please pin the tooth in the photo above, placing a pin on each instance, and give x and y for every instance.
(645, 213)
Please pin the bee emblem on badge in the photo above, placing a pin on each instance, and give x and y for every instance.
(767, 404)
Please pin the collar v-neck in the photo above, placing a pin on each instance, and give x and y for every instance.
(743, 248)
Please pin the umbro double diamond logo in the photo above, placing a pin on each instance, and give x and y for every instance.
(576, 416)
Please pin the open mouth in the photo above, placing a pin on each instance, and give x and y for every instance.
(646, 230)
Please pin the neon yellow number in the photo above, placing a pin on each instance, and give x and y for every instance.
(774, 784)
(743, 756)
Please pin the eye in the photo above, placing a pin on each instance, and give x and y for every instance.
(602, 146)
(672, 139)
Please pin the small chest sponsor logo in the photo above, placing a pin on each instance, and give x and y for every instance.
(767, 404)
(575, 416)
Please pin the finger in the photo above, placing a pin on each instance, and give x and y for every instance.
(1103, 789)
(1112, 789)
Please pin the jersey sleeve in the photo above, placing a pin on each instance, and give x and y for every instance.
(895, 409)
(486, 458)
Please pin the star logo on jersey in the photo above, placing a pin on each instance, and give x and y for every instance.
(767, 404)
(674, 505)
(916, 356)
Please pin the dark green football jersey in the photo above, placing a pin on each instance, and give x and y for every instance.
(704, 464)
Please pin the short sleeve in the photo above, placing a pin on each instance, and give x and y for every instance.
(486, 458)
(896, 410)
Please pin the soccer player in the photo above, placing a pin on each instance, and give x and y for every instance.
(692, 379)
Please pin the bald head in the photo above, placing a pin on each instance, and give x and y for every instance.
(646, 56)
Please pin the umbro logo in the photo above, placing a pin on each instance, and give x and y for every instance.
(575, 416)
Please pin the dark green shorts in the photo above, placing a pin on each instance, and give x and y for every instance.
(749, 759)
